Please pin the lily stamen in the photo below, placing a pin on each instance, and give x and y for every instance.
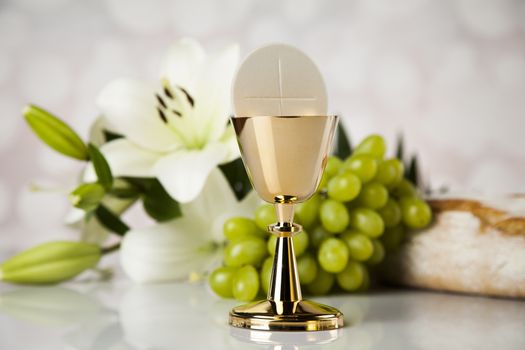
(162, 115)
(161, 101)
(188, 96)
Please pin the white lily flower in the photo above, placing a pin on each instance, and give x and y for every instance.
(187, 245)
(175, 130)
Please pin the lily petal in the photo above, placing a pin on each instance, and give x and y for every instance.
(130, 108)
(168, 251)
(96, 132)
(213, 95)
(230, 140)
(184, 172)
(182, 63)
(125, 159)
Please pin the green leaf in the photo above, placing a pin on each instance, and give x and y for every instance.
(413, 171)
(87, 196)
(110, 221)
(124, 192)
(105, 178)
(235, 173)
(400, 148)
(343, 146)
(110, 136)
(55, 133)
(158, 203)
(142, 184)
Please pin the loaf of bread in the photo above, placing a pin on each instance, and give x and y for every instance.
(473, 246)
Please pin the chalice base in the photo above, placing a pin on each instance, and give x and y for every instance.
(303, 315)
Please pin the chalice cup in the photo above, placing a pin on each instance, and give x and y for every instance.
(285, 157)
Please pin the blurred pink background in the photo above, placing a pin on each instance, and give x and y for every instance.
(449, 74)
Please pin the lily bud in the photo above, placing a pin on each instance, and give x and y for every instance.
(50, 262)
(87, 196)
(55, 133)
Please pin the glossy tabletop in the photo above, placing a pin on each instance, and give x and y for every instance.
(120, 315)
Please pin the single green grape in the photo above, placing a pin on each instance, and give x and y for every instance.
(333, 255)
(373, 195)
(404, 189)
(393, 237)
(322, 283)
(389, 172)
(245, 283)
(352, 277)
(359, 245)
(266, 273)
(378, 255)
(363, 166)
(306, 213)
(318, 235)
(244, 251)
(386, 173)
(373, 145)
(299, 241)
(307, 267)
(334, 216)
(400, 170)
(367, 221)
(239, 227)
(416, 212)
(333, 165)
(221, 281)
(265, 216)
(390, 213)
(344, 187)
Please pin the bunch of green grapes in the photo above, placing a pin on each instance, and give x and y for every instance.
(361, 211)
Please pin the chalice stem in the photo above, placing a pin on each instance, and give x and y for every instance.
(284, 283)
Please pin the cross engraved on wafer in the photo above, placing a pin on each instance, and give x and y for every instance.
(281, 97)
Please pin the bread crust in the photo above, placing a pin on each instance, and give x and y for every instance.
(489, 217)
(471, 247)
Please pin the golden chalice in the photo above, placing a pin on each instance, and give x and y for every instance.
(285, 157)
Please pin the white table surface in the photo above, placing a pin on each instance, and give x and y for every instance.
(120, 315)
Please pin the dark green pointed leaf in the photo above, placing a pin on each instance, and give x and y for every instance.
(343, 146)
(111, 221)
(237, 177)
(400, 148)
(55, 133)
(413, 171)
(142, 184)
(158, 203)
(110, 135)
(126, 191)
(102, 169)
(87, 196)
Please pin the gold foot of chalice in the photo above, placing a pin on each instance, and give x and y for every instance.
(285, 157)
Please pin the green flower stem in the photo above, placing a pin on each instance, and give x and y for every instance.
(110, 249)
